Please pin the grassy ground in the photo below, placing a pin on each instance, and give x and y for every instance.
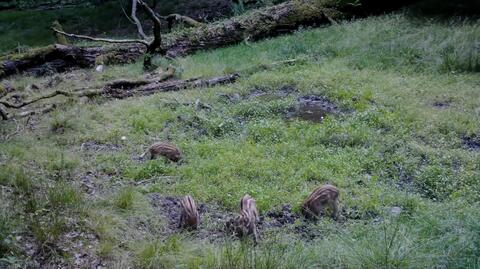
(407, 136)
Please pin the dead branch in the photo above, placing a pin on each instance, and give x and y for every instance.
(17, 130)
(87, 93)
(120, 89)
(137, 21)
(274, 20)
(61, 58)
(126, 89)
(46, 109)
(108, 40)
(128, 84)
(118, 84)
(157, 37)
(23, 114)
(3, 114)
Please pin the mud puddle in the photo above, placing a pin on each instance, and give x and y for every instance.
(312, 108)
(212, 218)
(441, 104)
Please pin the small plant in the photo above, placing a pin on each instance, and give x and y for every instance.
(16, 176)
(6, 242)
(61, 167)
(48, 229)
(125, 198)
(60, 124)
(105, 249)
(63, 195)
(150, 169)
(238, 8)
(158, 254)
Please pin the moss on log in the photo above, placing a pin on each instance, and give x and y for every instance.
(257, 24)
(58, 58)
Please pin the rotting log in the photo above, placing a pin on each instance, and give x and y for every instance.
(170, 85)
(121, 89)
(59, 58)
(258, 24)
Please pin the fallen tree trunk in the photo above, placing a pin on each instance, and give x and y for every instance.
(120, 89)
(59, 58)
(256, 25)
(261, 23)
(123, 88)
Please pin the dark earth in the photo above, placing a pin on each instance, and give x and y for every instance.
(213, 219)
(471, 142)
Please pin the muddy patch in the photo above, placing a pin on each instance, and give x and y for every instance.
(87, 183)
(471, 142)
(279, 218)
(307, 231)
(286, 91)
(285, 219)
(212, 218)
(169, 208)
(80, 247)
(405, 179)
(441, 104)
(312, 108)
(233, 98)
(255, 93)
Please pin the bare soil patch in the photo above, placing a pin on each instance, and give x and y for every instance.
(471, 142)
(213, 219)
(441, 104)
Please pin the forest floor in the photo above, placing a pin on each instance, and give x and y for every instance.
(397, 130)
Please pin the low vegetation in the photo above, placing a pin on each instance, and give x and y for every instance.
(403, 150)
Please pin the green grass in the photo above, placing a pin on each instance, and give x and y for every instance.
(390, 146)
(32, 27)
(125, 198)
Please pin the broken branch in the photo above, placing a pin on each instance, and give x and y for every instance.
(128, 88)
(44, 110)
(136, 20)
(88, 93)
(3, 114)
(108, 40)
